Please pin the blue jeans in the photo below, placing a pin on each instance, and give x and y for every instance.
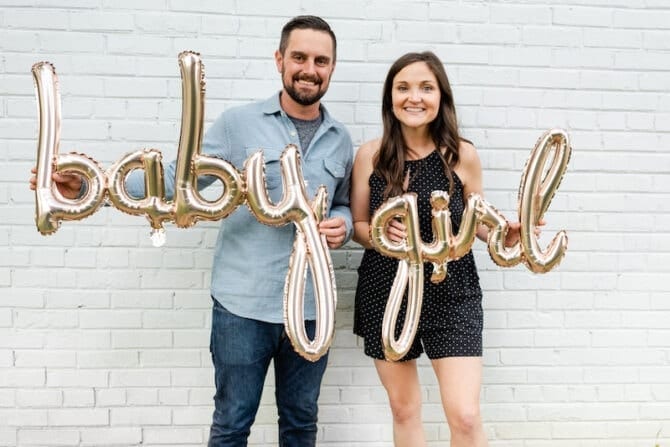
(241, 352)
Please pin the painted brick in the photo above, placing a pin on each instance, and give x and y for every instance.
(104, 338)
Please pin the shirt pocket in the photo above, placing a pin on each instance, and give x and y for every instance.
(271, 168)
(326, 172)
(334, 168)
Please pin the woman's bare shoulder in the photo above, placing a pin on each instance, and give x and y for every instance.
(370, 148)
(469, 167)
(367, 151)
(467, 150)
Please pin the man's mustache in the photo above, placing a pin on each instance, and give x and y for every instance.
(309, 78)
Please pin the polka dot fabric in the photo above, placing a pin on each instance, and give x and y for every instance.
(451, 317)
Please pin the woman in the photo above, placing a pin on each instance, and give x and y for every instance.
(421, 151)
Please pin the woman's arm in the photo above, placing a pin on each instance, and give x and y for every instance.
(469, 170)
(360, 192)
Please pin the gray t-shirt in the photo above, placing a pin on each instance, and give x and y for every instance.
(306, 130)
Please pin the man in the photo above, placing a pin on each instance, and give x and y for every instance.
(251, 259)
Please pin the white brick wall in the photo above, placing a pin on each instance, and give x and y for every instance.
(103, 338)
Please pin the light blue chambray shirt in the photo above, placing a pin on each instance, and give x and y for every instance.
(251, 259)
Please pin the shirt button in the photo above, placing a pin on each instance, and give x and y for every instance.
(292, 133)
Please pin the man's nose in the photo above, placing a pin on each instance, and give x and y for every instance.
(308, 66)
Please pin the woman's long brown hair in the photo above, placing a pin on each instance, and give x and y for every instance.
(389, 162)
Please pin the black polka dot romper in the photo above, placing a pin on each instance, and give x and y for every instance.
(451, 316)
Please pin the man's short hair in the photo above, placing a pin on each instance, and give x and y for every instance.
(306, 22)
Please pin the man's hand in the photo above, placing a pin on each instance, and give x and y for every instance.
(68, 185)
(335, 231)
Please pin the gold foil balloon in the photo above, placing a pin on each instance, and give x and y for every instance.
(153, 205)
(498, 228)
(535, 194)
(409, 273)
(190, 206)
(537, 188)
(309, 248)
(446, 246)
(51, 206)
(413, 252)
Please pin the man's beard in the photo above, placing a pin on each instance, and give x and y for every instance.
(304, 99)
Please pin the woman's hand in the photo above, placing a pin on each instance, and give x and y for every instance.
(396, 231)
(514, 232)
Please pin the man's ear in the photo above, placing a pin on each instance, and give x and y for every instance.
(279, 60)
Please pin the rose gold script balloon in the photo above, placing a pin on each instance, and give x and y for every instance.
(309, 248)
(50, 206)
